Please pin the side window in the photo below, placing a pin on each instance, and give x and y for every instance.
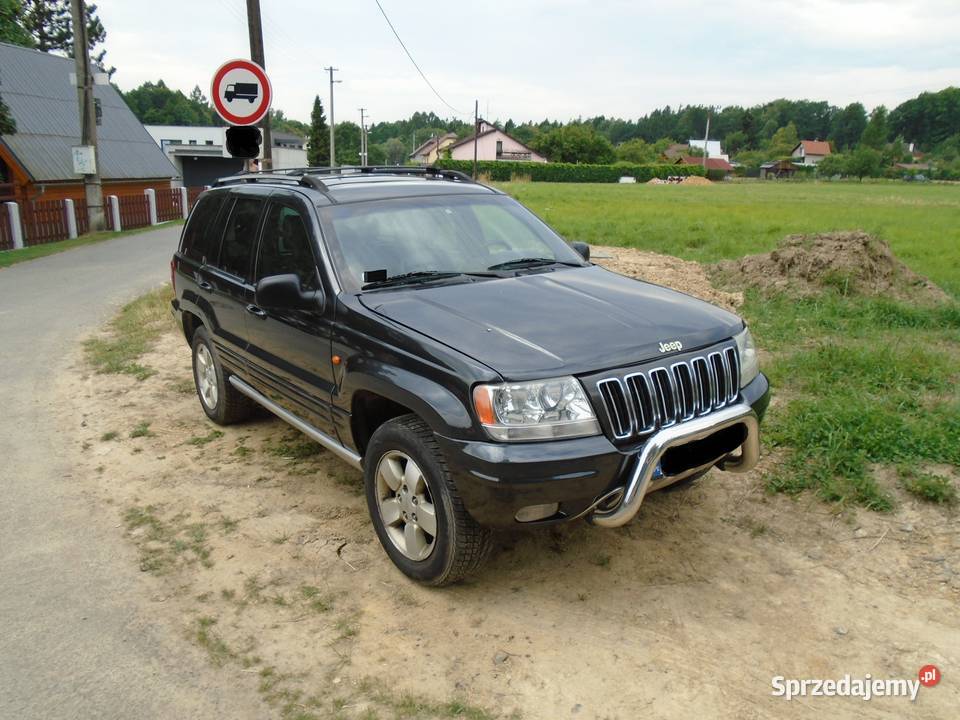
(201, 236)
(239, 237)
(285, 247)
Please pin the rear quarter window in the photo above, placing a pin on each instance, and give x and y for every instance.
(201, 238)
(240, 236)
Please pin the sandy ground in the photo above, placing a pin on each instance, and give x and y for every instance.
(257, 546)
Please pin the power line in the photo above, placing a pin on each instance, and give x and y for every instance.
(429, 84)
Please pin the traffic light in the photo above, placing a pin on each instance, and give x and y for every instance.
(244, 141)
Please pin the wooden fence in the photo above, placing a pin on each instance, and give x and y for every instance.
(45, 221)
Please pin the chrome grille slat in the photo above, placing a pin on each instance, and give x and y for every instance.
(642, 402)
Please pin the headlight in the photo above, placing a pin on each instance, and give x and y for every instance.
(541, 410)
(749, 362)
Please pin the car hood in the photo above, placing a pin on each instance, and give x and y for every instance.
(568, 321)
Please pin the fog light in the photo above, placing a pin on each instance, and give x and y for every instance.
(537, 512)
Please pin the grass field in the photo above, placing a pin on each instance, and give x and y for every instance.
(729, 220)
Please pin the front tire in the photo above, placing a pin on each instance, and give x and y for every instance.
(415, 507)
(222, 402)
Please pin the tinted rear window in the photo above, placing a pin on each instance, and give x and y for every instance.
(239, 237)
(201, 239)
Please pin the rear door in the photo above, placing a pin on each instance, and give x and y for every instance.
(289, 352)
(226, 282)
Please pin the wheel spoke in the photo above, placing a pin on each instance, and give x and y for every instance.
(427, 517)
(413, 477)
(392, 472)
(415, 541)
(390, 510)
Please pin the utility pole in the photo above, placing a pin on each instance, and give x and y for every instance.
(706, 144)
(476, 134)
(256, 54)
(363, 139)
(92, 189)
(333, 153)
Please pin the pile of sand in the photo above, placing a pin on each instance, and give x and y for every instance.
(851, 263)
(695, 180)
(656, 181)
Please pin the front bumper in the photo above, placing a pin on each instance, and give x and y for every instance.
(496, 480)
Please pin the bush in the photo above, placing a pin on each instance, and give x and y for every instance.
(503, 171)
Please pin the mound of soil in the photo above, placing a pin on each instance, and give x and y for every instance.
(683, 275)
(851, 263)
(695, 180)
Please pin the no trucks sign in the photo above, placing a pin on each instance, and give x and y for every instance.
(241, 92)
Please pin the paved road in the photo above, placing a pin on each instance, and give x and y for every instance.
(76, 636)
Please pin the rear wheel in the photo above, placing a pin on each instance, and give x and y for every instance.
(222, 402)
(415, 507)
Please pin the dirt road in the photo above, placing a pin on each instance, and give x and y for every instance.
(78, 634)
(255, 547)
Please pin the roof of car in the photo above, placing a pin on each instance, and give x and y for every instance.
(355, 184)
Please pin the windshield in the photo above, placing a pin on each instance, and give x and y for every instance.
(447, 234)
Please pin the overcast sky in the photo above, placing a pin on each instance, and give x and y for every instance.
(531, 59)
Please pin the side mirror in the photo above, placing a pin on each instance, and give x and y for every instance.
(582, 248)
(284, 292)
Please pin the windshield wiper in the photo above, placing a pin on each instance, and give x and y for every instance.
(421, 276)
(530, 262)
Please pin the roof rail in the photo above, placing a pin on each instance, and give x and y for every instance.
(308, 176)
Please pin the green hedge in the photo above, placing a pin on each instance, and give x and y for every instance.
(504, 171)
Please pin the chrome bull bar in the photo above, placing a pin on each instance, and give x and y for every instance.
(689, 431)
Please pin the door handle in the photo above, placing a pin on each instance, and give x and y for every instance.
(204, 285)
(254, 310)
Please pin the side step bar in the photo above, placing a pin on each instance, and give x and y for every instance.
(306, 428)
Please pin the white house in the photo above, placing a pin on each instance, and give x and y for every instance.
(711, 148)
(200, 153)
(493, 144)
(810, 152)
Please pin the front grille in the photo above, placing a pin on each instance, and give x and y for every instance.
(642, 402)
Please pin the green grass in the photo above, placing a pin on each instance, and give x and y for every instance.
(729, 220)
(200, 440)
(131, 334)
(12, 257)
(141, 430)
(866, 381)
(933, 488)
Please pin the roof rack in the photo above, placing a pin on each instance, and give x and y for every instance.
(307, 176)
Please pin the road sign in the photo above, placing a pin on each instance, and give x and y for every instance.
(241, 92)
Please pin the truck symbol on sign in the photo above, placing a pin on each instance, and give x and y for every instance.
(248, 91)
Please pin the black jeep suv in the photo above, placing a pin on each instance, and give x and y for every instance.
(480, 371)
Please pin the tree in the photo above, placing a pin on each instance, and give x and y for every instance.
(736, 141)
(848, 126)
(864, 162)
(574, 144)
(8, 126)
(51, 28)
(833, 164)
(928, 119)
(783, 142)
(395, 152)
(318, 139)
(376, 155)
(347, 136)
(876, 133)
(156, 104)
(12, 28)
(637, 151)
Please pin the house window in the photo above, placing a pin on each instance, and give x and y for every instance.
(209, 142)
(193, 142)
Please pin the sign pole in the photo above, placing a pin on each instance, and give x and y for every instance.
(93, 190)
(256, 54)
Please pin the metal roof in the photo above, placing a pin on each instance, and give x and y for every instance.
(36, 87)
